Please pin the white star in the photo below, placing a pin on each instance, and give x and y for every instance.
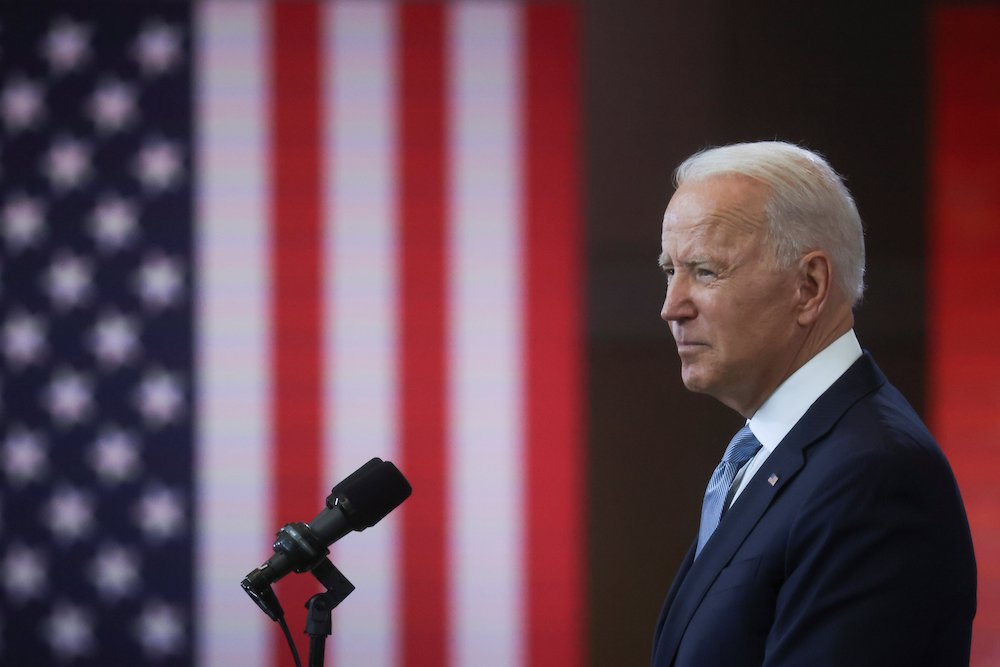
(115, 572)
(158, 48)
(21, 104)
(160, 398)
(69, 280)
(67, 164)
(24, 573)
(23, 221)
(160, 629)
(115, 456)
(69, 514)
(66, 46)
(69, 630)
(159, 281)
(24, 457)
(114, 339)
(159, 165)
(159, 513)
(112, 106)
(23, 339)
(69, 397)
(114, 222)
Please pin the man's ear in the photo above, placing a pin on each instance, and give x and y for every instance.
(815, 278)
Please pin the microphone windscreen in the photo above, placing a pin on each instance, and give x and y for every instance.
(368, 494)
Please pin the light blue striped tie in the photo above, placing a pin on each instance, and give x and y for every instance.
(741, 449)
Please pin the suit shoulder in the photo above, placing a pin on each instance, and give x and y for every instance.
(883, 426)
(879, 451)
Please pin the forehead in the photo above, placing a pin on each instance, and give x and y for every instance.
(718, 210)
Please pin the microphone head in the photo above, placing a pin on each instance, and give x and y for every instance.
(368, 494)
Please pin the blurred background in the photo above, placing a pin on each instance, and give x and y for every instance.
(247, 246)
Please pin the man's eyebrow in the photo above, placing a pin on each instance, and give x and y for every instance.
(688, 265)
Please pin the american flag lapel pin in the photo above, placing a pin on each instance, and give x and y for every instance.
(773, 479)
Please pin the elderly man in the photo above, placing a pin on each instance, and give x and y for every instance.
(832, 532)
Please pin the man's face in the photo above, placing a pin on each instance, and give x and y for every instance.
(730, 310)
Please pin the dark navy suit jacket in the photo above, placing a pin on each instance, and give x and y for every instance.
(858, 553)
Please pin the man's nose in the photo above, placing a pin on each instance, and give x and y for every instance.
(677, 304)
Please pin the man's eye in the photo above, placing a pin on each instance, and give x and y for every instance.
(668, 271)
(704, 273)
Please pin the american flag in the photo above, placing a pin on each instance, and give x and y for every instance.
(247, 246)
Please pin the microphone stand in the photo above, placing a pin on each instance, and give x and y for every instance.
(378, 488)
(318, 622)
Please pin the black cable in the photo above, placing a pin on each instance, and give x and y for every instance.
(291, 643)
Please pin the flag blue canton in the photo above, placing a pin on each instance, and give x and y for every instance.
(96, 302)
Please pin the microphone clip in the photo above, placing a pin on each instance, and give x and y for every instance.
(337, 586)
(297, 547)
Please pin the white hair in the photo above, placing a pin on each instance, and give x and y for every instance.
(809, 207)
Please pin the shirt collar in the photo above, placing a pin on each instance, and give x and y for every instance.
(783, 409)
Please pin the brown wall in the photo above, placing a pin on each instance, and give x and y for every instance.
(662, 80)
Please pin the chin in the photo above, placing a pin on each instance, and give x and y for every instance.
(695, 381)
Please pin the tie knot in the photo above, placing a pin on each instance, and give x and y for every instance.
(742, 447)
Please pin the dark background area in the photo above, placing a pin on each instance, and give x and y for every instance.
(662, 80)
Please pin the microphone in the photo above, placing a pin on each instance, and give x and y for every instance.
(360, 501)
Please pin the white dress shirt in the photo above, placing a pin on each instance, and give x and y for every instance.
(785, 407)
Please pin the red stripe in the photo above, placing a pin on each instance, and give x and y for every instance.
(963, 309)
(553, 257)
(296, 299)
(422, 111)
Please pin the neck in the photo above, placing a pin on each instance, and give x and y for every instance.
(818, 339)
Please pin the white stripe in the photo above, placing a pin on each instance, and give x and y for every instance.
(485, 375)
(361, 306)
(233, 337)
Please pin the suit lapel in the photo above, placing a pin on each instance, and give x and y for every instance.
(784, 464)
(732, 531)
